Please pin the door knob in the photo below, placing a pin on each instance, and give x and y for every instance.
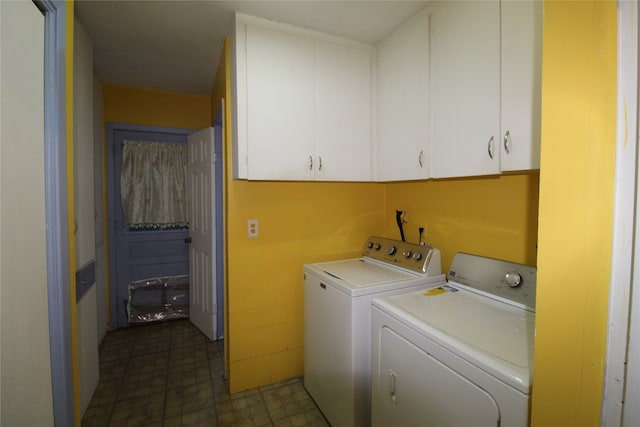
(187, 240)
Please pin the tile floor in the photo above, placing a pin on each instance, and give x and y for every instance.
(169, 374)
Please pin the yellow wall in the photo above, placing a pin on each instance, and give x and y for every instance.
(299, 222)
(494, 216)
(156, 108)
(575, 220)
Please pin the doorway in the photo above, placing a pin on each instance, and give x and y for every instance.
(138, 255)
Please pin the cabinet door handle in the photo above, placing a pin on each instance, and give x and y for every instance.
(319, 163)
(310, 163)
(490, 147)
(507, 142)
(420, 157)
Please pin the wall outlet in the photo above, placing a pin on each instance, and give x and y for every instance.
(252, 226)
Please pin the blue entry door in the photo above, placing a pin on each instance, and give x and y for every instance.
(138, 255)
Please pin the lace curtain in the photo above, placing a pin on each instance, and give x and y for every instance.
(153, 186)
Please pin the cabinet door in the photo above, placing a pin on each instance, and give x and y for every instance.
(465, 88)
(521, 85)
(402, 103)
(342, 112)
(280, 117)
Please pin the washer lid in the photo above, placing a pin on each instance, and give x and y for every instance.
(360, 273)
(363, 276)
(494, 336)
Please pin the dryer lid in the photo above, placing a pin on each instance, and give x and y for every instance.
(494, 336)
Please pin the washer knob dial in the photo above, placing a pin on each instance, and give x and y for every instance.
(370, 245)
(513, 279)
(417, 256)
(391, 250)
(376, 246)
(406, 254)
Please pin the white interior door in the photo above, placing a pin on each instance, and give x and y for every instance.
(202, 253)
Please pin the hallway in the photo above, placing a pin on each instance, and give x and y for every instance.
(169, 374)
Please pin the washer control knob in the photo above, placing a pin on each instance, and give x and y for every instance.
(376, 246)
(513, 279)
(391, 250)
(406, 254)
(417, 256)
(370, 245)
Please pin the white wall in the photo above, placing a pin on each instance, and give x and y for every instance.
(83, 137)
(25, 367)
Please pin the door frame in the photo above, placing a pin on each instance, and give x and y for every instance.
(56, 212)
(111, 129)
(219, 170)
(623, 286)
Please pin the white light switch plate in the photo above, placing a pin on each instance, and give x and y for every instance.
(252, 226)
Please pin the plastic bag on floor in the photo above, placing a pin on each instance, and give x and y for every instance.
(158, 298)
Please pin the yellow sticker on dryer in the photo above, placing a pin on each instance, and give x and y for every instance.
(433, 292)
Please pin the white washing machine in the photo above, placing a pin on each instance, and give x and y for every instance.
(337, 321)
(457, 355)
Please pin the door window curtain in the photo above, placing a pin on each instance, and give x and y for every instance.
(153, 186)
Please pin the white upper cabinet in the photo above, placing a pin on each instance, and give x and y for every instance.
(521, 84)
(456, 92)
(465, 88)
(280, 94)
(303, 104)
(485, 87)
(343, 112)
(402, 118)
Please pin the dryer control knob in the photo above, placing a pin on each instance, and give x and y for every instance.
(391, 250)
(513, 279)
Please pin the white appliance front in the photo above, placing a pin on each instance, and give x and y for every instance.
(452, 356)
(337, 331)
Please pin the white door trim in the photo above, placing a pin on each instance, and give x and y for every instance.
(625, 213)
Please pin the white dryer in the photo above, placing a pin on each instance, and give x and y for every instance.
(457, 355)
(337, 321)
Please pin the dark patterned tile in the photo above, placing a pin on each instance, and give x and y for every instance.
(97, 416)
(288, 400)
(169, 374)
(140, 410)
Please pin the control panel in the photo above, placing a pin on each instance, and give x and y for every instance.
(507, 280)
(412, 256)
